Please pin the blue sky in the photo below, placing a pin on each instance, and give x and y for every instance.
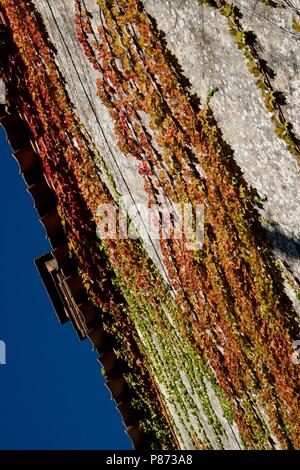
(52, 394)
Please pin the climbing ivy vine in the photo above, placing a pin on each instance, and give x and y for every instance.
(231, 306)
(246, 41)
(223, 326)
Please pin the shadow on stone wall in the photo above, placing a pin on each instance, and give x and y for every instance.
(283, 243)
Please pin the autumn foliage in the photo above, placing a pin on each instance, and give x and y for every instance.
(228, 298)
(231, 293)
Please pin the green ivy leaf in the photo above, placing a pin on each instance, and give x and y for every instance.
(211, 93)
(253, 68)
(296, 25)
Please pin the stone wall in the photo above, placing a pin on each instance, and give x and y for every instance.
(198, 36)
